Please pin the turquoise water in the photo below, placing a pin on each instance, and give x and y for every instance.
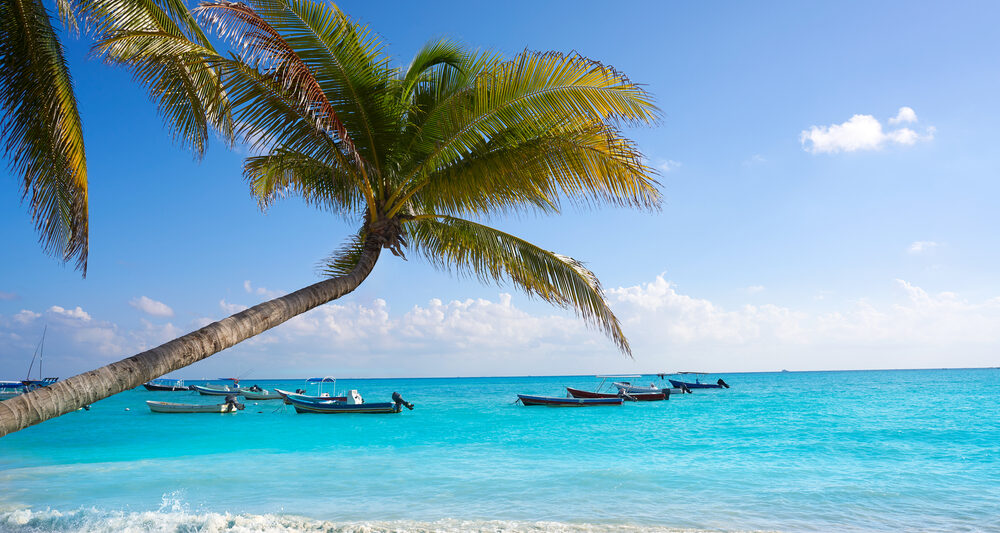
(810, 451)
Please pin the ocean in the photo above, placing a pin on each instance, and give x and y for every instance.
(895, 450)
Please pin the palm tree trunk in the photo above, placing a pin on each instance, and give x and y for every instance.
(62, 397)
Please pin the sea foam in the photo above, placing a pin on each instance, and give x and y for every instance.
(93, 520)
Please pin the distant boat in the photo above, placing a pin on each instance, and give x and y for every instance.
(651, 395)
(628, 388)
(261, 394)
(305, 397)
(215, 391)
(168, 407)
(9, 389)
(636, 397)
(552, 401)
(168, 385)
(354, 404)
(720, 384)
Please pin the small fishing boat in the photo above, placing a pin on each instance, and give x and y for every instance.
(168, 407)
(636, 397)
(257, 393)
(552, 401)
(167, 385)
(354, 404)
(645, 395)
(720, 384)
(305, 397)
(225, 390)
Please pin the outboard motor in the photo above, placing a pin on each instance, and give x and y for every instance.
(398, 400)
(684, 388)
(666, 394)
(231, 401)
(722, 383)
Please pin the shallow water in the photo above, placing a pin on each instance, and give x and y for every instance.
(809, 451)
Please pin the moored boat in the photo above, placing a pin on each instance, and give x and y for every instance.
(166, 385)
(169, 407)
(257, 393)
(215, 391)
(720, 384)
(637, 397)
(305, 397)
(552, 401)
(354, 404)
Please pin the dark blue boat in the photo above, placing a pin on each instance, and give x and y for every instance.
(720, 384)
(553, 401)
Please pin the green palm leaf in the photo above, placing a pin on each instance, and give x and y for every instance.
(40, 129)
(468, 248)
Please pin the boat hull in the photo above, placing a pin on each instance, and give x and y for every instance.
(211, 391)
(679, 384)
(333, 407)
(551, 401)
(639, 397)
(165, 388)
(168, 407)
(262, 395)
(285, 394)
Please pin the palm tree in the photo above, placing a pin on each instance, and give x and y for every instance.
(417, 156)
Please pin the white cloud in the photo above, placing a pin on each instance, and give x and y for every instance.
(755, 159)
(25, 316)
(861, 132)
(905, 115)
(754, 289)
(8, 295)
(669, 165)
(261, 290)
(918, 247)
(668, 330)
(232, 308)
(75, 314)
(151, 307)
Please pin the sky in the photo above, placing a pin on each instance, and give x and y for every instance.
(829, 181)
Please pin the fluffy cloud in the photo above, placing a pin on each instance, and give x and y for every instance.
(905, 115)
(232, 308)
(669, 165)
(77, 314)
(151, 307)
(669, 330)
(862, 132)
(918, 247)
(247, 286)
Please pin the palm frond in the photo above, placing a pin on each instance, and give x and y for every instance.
(40, 129)
(349, 66)
(162, 45)
(180, 77)
(343, 260)
(442, 53)
(583, 163)
(317, 183)
(264, 48)
(533, 89)
(468, 248)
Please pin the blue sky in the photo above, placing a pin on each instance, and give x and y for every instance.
(829, 182)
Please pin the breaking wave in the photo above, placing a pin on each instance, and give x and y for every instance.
(94, 520)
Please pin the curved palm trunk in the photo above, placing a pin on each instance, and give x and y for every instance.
(59, 398)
